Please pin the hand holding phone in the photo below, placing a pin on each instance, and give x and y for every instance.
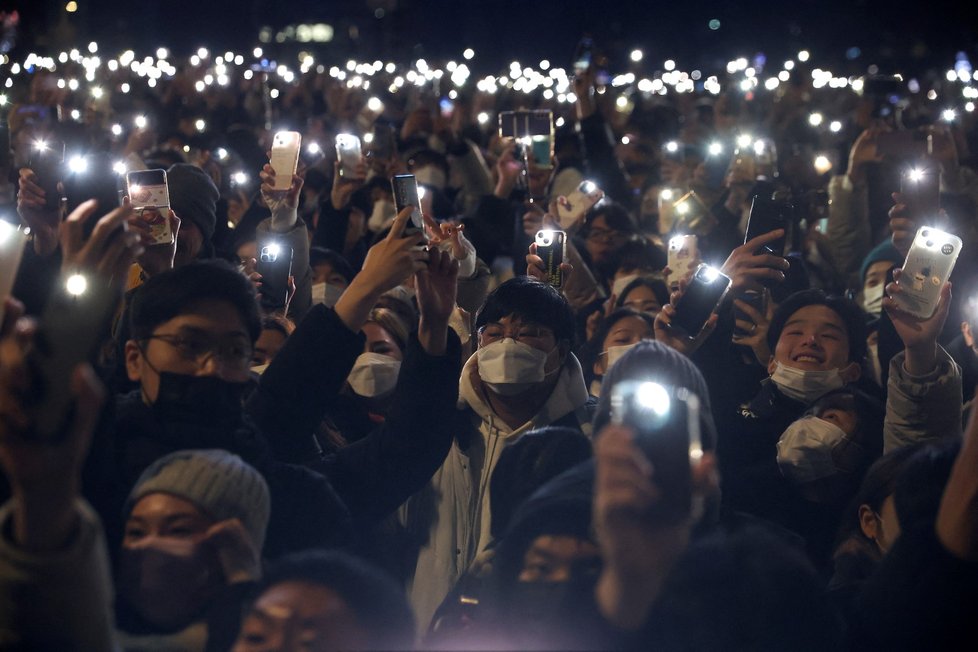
(703, 294)
(682, 251)
(767, 215)
(348, 155)
(150, 197)
(47, 162)
(275, 267)
(552, 248)
(285, 157)
(405, 190)
(927, 268)
(572, 209)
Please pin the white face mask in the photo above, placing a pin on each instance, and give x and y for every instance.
(873, 300)
(621, 283)
(509, 367)
(326, 293)
(260, 369)
(615, 352)
(382, 215)
(806, 386)
(873, 355)
(805, 449)
(402, 293)
(374, 374)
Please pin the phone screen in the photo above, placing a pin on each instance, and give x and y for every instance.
(767, 215)
(405, 189)
(703, 294)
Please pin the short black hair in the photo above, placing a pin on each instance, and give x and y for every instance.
(920, 487)
(616, 215)
(167, 295)
(529, 300)
(847, 310)
(641, 254)
(595, 346)
(376, 600)
(658, 287)
(339, 264)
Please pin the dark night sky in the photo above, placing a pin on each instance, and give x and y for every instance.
(534, 29)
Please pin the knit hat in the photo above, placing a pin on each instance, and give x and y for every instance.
(884, 251)
(220, 483)
(193, 196)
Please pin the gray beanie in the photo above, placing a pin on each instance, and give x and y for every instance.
(193, 196)
(220, 483)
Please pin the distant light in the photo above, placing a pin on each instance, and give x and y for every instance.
(92, 47)
(314, 148)
(822, 164)
(116, 130)
(744, 140)
(483, 118)
(815, 119)
(948, 115)
(636, 55)
(202, 53)
(969, 107)
(669, 64)
(257, 52)
(76, 285)
(625, 140)
(789, 65)
(375, 105)
(715, 149)
(222, 154)
(97, 92)
(835, 126)
(621, 102)
(666, 194)
(140, 122)
(672, 147)
(714, 24)
(71, 7)
(162, 53)
(803, 56)
(468, 54)
(239, 178)
(75, 114)
(932, 95)
(119, 167)
(559, 122)
(545, 64)
(200, 125)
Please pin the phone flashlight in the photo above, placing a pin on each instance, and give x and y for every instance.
(239, 178)
(76, 285)
(715, 149)
(375, 105)
(421, 192)
(672, 147)
(78, 164)
(588, 186)
(116, 130)
(119, 167)
(915, 175)
(744, 141)
(41, 145)
(272, 250)
(822, 164)
(708, 274)
(545, 237)
(313, 148)
(682, 208)
(815, 119)
(667, 194)
(141, 122)
(948, 115)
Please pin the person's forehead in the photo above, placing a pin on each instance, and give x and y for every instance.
(210, 316)
(817, 315)
(516, 320)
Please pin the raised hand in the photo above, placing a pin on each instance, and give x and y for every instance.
(109, 250)
(685, 343)
(919, 335)
(155, 258)
(747, 269)
(279, 200)
(436, 286)
(43, 221)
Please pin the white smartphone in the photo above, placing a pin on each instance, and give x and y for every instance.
(681, 252)
(285, 157)
(150, 197)
(12, 242)
(578, 204)
(348, 154)
(927, 268)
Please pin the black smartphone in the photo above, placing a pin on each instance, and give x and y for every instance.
(703, 294)
(666, 422)
(405, 189)
(275, 267)
(76, 319)
(768, 214)
(92, 176)
(921, 190)
(551, 247)
(47, 163)
(753, 298)
(383, 146)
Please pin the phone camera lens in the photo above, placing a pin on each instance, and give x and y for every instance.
(930, 243)
(925, 233)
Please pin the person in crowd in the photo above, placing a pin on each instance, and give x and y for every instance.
(618, 333)
(274, 331)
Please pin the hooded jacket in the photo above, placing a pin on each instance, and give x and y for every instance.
(450, 517)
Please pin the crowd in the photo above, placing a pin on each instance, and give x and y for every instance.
(441, 438)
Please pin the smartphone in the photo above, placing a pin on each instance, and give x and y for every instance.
(903, 145)
(927, 268)
(666, 423)
(75, 320)
(703, 294)
(150, 197)
(384, 143)
(92, 177)
(921, 190)
(755, 299)
(533, 130)
(12, 241)
(552, 248)
(405, 189)
(681, 252)
(348, 154)
(47, 162)
(692, 215)
(275, 267)
(766, 215)
(285, 157)
(579, 203)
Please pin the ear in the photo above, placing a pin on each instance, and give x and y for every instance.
(599, 365)
(134, 361)
(868, 522)
(851, 373)
(969, 337)
(772, 364)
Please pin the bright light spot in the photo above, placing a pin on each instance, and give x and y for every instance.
(815, 119)
(75, 114)
(744, 141)
(116, 130)
(559, 122)
(421, 192)
(822, 164)
(239, 178)
(714, 24)
(948, 115)
(202, 53)
(771, 83)
(119, 167)
(653, 396)
(915, 175)
(803, 56)
(468, 54)
(97, 92)
(273, 249)
(932, 95)
(93, 47)
(545, 65)
(71, 7)
(77, 164)
(140, 122)
(375, 105)
(835, 126)
(314, 148)
(636, 55)
(257, 52)
(969, 107)
(682, 208)
(625, 140)
(483, 118)
(672, 147)
(621, 102)
(200, 125)
(669, 64)
(715, 149)
(76, 285)
(162, 53)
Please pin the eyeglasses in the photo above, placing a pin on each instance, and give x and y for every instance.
(521, 333)
(233, 351)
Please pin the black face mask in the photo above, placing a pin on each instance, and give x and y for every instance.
(205, 400)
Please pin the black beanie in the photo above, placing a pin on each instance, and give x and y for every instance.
(193, 196)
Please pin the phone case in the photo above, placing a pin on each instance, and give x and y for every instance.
(275, 267)
(405, 189)
(151, 201)
(70, 332)
(578, 204)
(551, 247)
(921, 190)
(702, 296)
(767, 215)
(348, 154)
(666, 423)
(927, 268)
(285, 157)
(682, 251)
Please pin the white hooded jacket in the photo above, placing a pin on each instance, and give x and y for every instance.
(452, 512)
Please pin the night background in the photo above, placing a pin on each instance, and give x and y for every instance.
(891, 35)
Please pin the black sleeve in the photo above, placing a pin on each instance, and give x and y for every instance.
(920, 598)
(376, 474)
(35, 277)
(600, 162)
(312, 365)
(331, 228)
